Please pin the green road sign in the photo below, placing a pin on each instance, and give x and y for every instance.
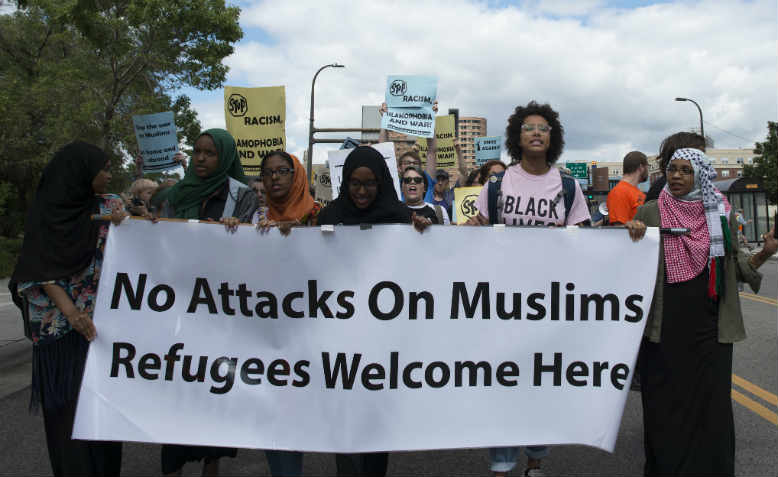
(580, 170)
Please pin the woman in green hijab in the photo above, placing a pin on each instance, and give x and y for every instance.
(214, 187)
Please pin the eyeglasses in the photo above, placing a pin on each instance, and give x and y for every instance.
(355, 184)
(413, 180)
(281, 171)
(540, 127)
(683, 170)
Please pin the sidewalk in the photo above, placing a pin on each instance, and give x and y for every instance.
(15, 349)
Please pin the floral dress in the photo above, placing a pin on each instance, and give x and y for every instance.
(47, 322)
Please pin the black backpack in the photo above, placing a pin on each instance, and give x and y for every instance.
(567, 193)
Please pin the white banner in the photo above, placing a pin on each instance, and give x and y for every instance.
(365, 340)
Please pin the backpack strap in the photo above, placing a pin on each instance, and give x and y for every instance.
(495, 185)
(438, 213)
(568, 191)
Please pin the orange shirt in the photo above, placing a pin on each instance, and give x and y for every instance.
(623, 202)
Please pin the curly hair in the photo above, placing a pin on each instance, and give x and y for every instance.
(513, 131)
(484, 171)
(677, 141)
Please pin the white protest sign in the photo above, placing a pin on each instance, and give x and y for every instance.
(487, 149)
(409, 101)
(341, 346)
(337, 158)
(157, 140)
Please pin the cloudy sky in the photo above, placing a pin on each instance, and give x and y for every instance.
(611, 68)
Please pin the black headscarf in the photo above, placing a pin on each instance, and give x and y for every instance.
(385, 209)
(60, 238)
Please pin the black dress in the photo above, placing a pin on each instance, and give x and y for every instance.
(686, 383)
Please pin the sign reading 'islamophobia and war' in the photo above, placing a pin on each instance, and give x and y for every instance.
(336, 344)
(445, 130)
(256, 118)
(409, 100)
(487, 149)
(157, 140)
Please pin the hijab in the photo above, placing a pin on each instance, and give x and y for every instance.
(703, 210)
(385, 209)
(298, 202)
(60, 237)
(187, 196)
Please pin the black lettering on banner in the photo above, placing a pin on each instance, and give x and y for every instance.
(316, 302)
(227, 378)
(619, 375)
(540, 310)
(554, 301)
(459, 292)
(399, 300)
(394, 364)
(575, 370)
(570, 303)
(126, 360)
(267, 306)
(343, 302)
(429, 374)
(599, 310)
(201, 287)
(186, 369)
(598, 369)
(250, 368)
(287, 305)
(515, 313)
(134, 297)
(407, 378)
(171, 357)
(226, 292)
(279, 368)
(149, 362)
(301, 370)
(413, 304)
(555, 368)
(372, 372)
(340, 368)
(631, 304)
(170, 298)
(472, 372)
(243, 295)
(506, 370)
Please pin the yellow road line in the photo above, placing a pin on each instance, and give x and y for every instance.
(763, 299)
(755, 390)
(754, 406)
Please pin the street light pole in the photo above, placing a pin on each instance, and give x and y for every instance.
(309, 161)
(702, 130)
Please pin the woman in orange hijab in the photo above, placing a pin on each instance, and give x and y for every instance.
(289, 200)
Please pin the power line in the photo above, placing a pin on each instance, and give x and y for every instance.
(730, 133)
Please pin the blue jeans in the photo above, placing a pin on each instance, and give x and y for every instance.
(504, 458)
(285, 463)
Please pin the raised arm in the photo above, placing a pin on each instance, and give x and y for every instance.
(432, 149)
(383, 134)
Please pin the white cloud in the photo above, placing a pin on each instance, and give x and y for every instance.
(612, 76)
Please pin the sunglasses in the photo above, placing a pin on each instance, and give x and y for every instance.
(413, 180)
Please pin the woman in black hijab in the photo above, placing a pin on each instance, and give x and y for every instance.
(367, 196)
(55, 285)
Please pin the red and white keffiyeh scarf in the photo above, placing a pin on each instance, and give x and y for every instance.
(686, 256)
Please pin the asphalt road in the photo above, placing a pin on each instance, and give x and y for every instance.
(754, 395)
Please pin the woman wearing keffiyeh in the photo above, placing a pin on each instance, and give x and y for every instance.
(695, 317)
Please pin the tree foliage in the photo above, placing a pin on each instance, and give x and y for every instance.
(766, 165)
(80, 69)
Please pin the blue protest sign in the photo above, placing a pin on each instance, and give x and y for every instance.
(157, 140)
(487, 148)
(403, 91)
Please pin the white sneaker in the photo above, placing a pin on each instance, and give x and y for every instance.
(535, 472)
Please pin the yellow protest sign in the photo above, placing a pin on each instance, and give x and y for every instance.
(445, 130)
(464, 202)
(256, 118)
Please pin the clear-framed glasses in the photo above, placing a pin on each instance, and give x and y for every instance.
(540, 127)
(281, 171)
(683, 170)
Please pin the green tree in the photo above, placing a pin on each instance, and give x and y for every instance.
(766, 165)
(80, 69)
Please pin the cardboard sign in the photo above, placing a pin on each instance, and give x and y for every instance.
(445, 131)
(464, 202)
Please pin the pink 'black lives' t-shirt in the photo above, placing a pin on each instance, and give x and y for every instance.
(527, 199)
